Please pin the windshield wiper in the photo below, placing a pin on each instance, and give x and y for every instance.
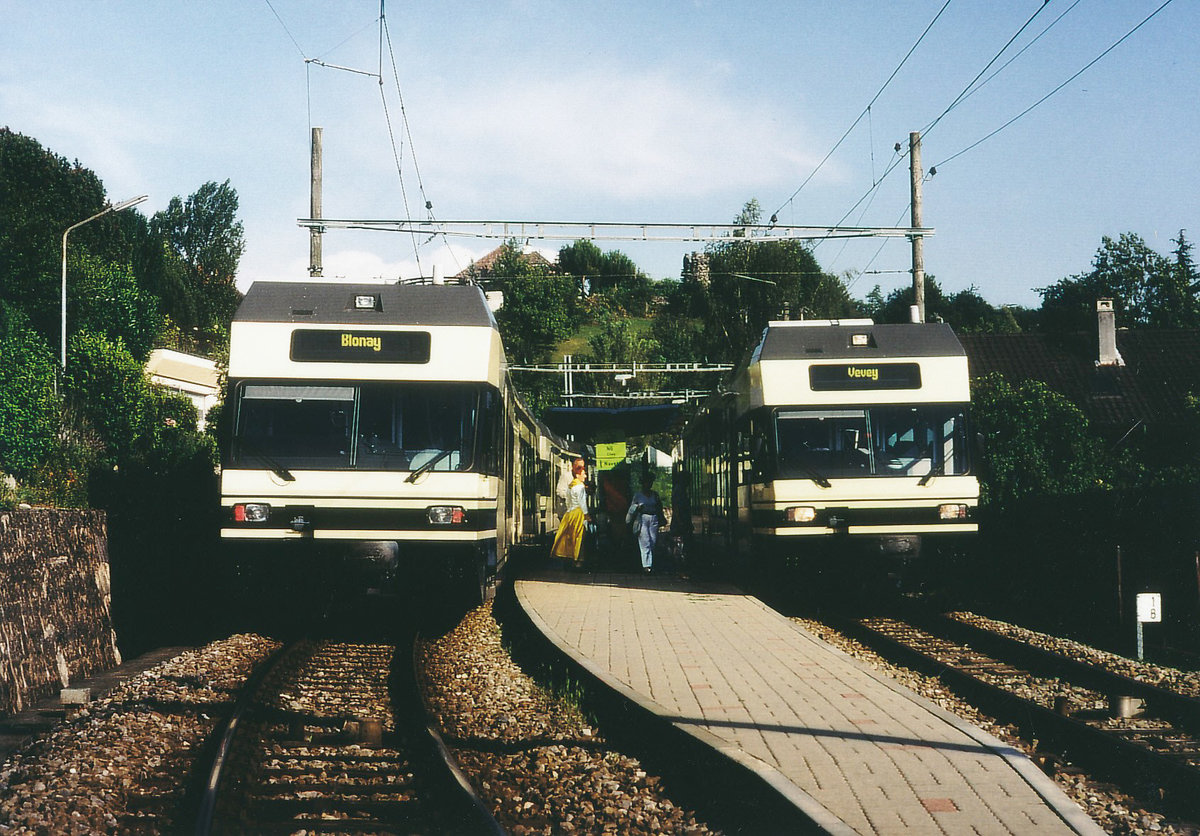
(937, 470)
(416, 474)
(818, 478)
(275, 467)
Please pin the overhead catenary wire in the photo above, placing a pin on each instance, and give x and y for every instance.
(1040, 101)
(967, 90)
(865, 111)
(902, 155)
(384, 39)
(1020, 52)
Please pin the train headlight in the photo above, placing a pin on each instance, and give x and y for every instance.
(951, 511)
(800, 514)
(446, 514)
(252, 512)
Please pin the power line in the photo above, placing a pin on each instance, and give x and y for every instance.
(866, 110)
(1020, 52)
(285, 29)
(1084, 69)
(957, 100)
(966, 90)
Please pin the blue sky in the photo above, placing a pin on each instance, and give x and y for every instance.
(630, 112)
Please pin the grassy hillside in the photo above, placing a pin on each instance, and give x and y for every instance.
(580, 342)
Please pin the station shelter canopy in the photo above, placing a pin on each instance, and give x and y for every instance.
(587, 423)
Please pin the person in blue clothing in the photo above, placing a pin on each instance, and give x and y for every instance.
(646, 515)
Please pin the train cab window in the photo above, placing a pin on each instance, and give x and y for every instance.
(412, 426)
(371, 426)
(921, 441)
(296, 426)
(878, 441)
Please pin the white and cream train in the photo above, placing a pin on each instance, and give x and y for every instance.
(841, 434)
(378, 420)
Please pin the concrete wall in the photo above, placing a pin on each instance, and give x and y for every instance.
(55, 621)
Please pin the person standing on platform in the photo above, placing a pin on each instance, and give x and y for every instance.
(646, 515)
(568, 542)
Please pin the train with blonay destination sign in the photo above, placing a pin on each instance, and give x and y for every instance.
(373, 431)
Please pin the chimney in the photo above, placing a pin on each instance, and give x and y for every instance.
(1107, 320)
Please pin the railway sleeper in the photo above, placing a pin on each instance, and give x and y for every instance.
(1158, 701)
(1116, 756)
(334, 787)
(378, 811)
(398, 777)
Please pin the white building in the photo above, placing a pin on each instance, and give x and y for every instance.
(195, 377)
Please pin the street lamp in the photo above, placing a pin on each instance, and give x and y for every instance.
(112, 207)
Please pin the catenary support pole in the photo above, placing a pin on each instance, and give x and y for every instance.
(315, 266)
(918, 242)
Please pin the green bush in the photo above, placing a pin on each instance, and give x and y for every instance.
(1036, 442)
(29, 408)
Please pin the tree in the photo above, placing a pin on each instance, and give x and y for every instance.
(106, 299)
(965, 311)
(611, 272)
(1176, 303)
(204, 233)
(1036, 442)
(750, 282)
(539, 308)
(28, 406)
(41, 195)
(1144, 286)
(582, 259)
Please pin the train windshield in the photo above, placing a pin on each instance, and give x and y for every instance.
(368, 426)
(925, 440)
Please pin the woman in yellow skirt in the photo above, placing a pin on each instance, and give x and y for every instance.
(568, 542)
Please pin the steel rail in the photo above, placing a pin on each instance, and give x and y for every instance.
(1165, 703)
(1108, 755)
(460, 801)
(459, 784)
(229, 731)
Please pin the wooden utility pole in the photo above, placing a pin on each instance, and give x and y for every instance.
(315, 268)
(918, 242)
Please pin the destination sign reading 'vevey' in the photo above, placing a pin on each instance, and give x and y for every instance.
(353, 346)
(850, 376)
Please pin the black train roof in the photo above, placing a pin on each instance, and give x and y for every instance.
(931, 339)
(333, 303)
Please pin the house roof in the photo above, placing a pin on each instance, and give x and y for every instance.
(485, 263)
(1161, 369)
(188, 369)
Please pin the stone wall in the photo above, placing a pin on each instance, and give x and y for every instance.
(55, 619)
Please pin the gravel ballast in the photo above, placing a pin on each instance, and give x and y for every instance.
(1115, 811)
(535, 758)
(122, 764)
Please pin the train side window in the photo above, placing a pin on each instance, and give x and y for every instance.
(761, 455)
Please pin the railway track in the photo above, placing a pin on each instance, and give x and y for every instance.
(330, 737)
(1142, 737)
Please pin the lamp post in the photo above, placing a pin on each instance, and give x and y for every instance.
(113, 207)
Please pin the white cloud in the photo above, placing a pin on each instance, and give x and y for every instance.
(108, 138)
(361, 265)
(617, 134)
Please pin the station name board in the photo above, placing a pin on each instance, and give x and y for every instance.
(836, 377)
(353, 346)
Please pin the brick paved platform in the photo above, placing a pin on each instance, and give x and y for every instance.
(858, 752)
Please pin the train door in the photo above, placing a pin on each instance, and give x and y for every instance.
(529, 510)
(741, 478)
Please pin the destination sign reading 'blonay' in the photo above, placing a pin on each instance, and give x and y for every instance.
(854, 376)
(343, 346)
